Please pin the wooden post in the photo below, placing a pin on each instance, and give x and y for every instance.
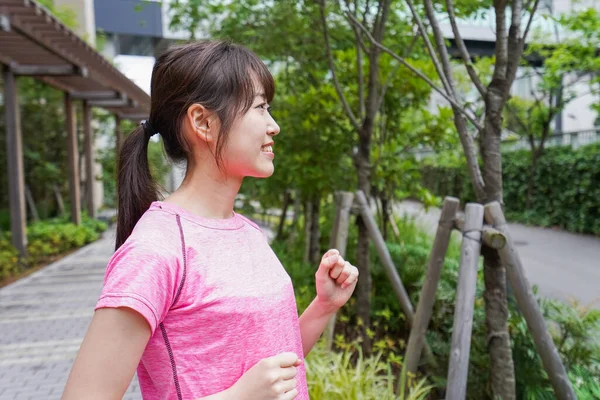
(388, 265)
(118, 134)
(491, 237)
(73, 160)
(339, 240)
(14, 155)
(427, 296)
(465, 303)
(385, 257)
(529, 307)
(89, 159)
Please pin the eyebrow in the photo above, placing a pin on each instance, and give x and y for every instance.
(261, 95)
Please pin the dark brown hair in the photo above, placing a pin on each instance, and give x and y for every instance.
(218, 75)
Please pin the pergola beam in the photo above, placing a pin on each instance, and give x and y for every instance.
(134, 117)
(48, 70)
(26, 31)
(73, 160)
(119, 102)
(14, 152)
(96, 95)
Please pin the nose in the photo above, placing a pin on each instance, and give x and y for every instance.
(272, 128)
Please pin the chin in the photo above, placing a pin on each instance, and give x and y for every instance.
(266, 173)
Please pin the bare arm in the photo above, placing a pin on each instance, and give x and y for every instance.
(114, 344)
(109, 355)
(313, 322)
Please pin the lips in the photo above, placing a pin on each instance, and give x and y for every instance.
(267, 148)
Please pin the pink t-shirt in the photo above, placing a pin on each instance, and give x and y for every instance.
(215, 295)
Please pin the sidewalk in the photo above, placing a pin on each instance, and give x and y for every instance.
(43, 319)
(564, 265)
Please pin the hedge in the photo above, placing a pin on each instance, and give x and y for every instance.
(567, 187)
(46, 239)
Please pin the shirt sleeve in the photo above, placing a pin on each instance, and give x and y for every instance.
(142, 276)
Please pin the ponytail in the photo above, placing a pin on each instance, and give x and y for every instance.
(135, 187)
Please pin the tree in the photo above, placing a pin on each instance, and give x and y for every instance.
(370, 87)
(487, 178)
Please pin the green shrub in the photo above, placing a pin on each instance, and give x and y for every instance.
(348, 375)
(567, 187)
(9, 257)
(45, 239)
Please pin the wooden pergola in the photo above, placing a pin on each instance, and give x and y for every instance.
(34, 43)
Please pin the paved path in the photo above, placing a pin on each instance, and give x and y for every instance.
(563, 265)
(43, 319)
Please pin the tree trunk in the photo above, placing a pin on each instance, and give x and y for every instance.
(307, 230)
(496, 308)
(284, 209)
(363, 288)
(315, 234)
(385, 211)
(294, 227)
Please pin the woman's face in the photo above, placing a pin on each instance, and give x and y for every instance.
(249, 149)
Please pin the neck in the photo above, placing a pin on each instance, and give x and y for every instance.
(206, 192)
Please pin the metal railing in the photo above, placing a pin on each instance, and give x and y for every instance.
(575, 139)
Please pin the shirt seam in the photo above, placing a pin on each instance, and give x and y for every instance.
(198, 223)
(136, 297)
(247, 221)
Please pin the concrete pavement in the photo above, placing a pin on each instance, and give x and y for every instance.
(564, 265)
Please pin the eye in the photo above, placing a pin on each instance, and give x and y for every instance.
(264, 106)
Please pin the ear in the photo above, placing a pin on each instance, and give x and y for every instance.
(202, 123)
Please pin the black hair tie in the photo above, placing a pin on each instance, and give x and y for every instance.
(148, 129)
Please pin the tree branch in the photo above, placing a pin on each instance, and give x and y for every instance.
(359, 64)
(533, 11)
(420, 74)
(440, 43)
(464, 53)
(432, 52)
(515, 42)
(336, 83)
(501, 41)
(393, 73)
(373, 83)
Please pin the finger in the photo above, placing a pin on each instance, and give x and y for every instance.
(345, 273)
(284, 360)
(328, 263)
(352, 279)
(288, 373)
(330, 252)
(337, 268)
(290, 395)
(286, 386)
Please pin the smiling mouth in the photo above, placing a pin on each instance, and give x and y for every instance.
(267, 149)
